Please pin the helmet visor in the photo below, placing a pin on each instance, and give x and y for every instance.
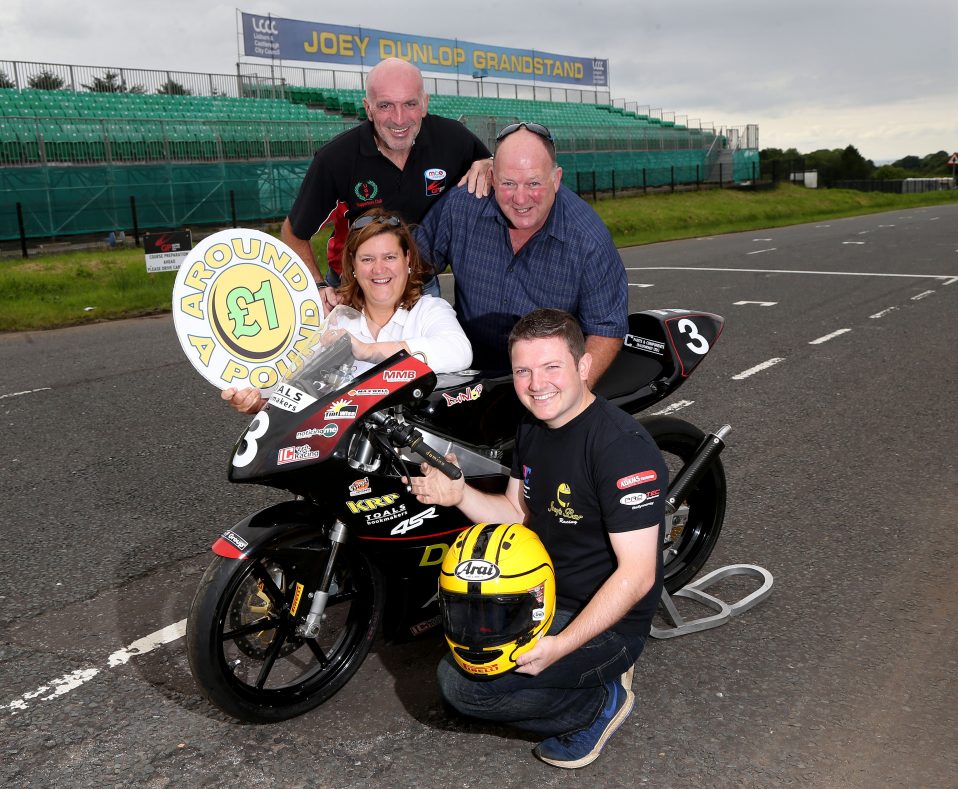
(490, 620)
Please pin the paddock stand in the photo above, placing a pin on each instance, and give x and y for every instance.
(723, 611)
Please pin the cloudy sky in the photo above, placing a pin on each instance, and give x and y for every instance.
(880, 75)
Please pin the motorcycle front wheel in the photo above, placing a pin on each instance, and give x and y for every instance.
(692, 531)
(243, 632)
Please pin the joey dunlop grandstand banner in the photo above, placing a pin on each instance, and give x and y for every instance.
(291, 39)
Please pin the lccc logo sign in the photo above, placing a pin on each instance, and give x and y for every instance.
(261, 25)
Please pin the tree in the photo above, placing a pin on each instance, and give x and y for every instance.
(111, 82)
(908, 163)
(173, 88)
(5, 81)
(45, 80)
(854, 166)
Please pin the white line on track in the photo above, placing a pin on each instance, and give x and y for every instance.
(63, 685)
(640, 285)
(949, 278)
(678, 405)
(25, 392)
(756, 369)
(855, 243)
(760, 303)
(920, 296)
(828, 337)
(883, 313)
(760, 251)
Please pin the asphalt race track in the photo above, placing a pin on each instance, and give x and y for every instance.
(837, 371)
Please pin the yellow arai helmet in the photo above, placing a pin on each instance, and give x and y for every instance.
(497, 596)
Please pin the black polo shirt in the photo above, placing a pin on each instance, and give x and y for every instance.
(349, 175)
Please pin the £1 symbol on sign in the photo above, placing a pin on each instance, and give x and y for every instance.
(238, 301)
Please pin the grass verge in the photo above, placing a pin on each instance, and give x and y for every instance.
(79, 287)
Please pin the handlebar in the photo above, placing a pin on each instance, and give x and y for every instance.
(407, 436)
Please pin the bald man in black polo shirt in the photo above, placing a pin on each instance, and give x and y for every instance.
(401, 159)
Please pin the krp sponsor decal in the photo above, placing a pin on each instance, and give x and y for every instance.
(375, 503)
(245, 309)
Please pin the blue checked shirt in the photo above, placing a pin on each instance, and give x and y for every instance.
(570, 264)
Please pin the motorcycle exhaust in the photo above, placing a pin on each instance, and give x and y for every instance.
(710, 448)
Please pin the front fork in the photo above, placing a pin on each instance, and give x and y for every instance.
(676, 506)
(311, 625)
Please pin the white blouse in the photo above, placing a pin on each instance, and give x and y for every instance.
(429, 329)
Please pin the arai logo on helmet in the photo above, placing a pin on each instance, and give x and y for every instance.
(476, 570)
(633, 498)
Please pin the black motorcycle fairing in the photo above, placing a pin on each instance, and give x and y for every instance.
(481, 411)
(302, 426)
(241, 540)
(660, 350)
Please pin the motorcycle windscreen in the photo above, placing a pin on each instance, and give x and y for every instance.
(489, 620)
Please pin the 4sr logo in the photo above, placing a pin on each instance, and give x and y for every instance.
(414, 522)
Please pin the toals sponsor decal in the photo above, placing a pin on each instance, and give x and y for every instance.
(289, 398)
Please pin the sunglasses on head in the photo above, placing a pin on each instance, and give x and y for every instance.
(535, 128)
(388, 221)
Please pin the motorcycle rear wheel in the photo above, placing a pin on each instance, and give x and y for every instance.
(241, 637)
(691, 533)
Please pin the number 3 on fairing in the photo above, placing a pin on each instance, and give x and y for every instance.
(257, 429)
(698, 343)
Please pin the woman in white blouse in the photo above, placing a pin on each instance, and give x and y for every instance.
(382, 279)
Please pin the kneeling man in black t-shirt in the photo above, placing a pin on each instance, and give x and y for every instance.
(589, 480)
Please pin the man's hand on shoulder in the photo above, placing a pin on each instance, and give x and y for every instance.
(479, 178)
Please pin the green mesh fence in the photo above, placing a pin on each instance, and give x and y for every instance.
(72, 200)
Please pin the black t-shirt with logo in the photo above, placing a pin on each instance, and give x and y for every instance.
(349, 175)
(599, 473)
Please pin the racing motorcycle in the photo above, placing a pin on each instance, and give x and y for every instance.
(296, 593)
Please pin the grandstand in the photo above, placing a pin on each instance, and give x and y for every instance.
(81, 161)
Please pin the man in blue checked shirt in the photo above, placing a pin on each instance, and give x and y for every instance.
(537, 244)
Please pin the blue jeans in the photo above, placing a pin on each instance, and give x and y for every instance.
(429, 288)
(565, 697)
